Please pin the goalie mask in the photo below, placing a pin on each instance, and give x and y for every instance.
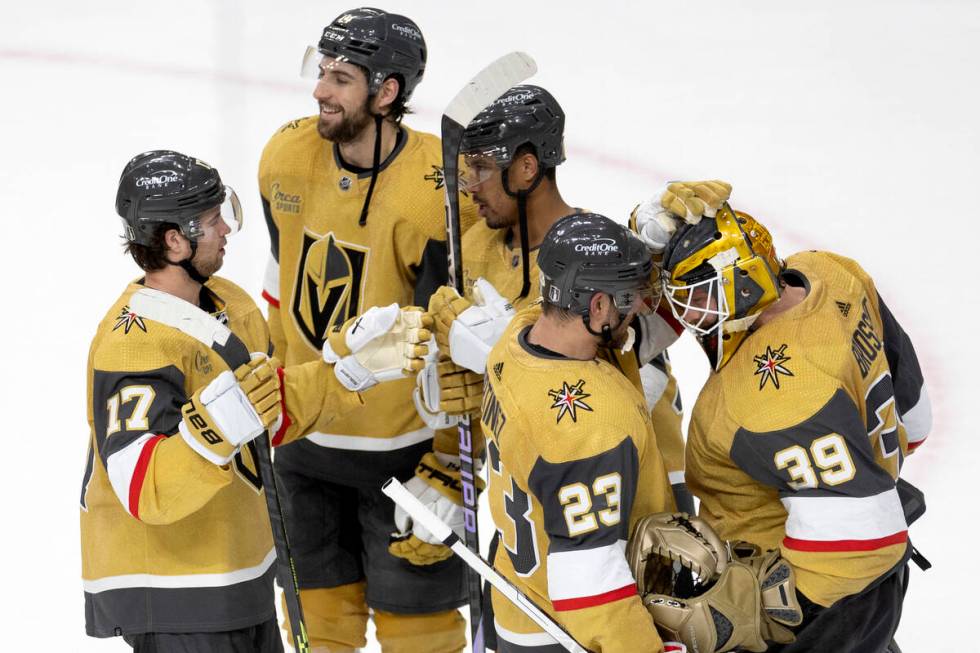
(719, 275)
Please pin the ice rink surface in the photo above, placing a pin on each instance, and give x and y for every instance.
(848, 126)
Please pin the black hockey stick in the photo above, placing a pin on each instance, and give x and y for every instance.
(200, 325)
(488, 85)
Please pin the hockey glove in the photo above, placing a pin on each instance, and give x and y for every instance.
(470, 330)
(445, 392)
(232, 409)
(437, 485)
(656, 219)
(742, 604)
(383, 344)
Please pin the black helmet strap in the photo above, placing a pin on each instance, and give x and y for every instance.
(375, 166)
(189, 266)
(605, 332)
(521, 196)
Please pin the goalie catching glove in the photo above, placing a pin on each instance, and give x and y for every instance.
(383, 344)
(468, 331)
(656, 219)
(731, 602)
(233, 409)
(437, 485)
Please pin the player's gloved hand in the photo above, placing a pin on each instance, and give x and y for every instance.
(656, 219)
(469, 331)
(444, 392)
(234, 408)
(437, 485)
(383, 344)
(748, 601)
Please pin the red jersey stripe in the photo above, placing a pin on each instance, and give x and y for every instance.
(286, 422)
(562, 605)
(845, 545)
(136, 484)
(269, 298)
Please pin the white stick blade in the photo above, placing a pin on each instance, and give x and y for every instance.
(489, 84)
(410, 504)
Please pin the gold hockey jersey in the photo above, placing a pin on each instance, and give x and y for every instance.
(487, 253)
(327, 267)
(572, 464)
(797, 442)
(170, 541)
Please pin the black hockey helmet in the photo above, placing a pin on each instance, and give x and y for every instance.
(586, 253)
(386, 44)
(524, 114)
(167, 186)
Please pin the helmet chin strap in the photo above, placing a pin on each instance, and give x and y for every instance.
(375, 166)
(189, 267)
(521, 196)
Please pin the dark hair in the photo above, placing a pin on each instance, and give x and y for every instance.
(528, 148)
(552, 310)
(398, 108)
(152, 257)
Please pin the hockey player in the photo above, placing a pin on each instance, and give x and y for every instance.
(177, 551)
(796, 441)
(572, 456)
(354, 204)
(511, 151)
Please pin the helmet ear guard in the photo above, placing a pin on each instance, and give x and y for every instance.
(719, 276)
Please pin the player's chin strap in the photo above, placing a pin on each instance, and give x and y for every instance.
(375, 168)
(521, 196)
(189, 267)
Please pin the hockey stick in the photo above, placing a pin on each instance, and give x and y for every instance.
(488, 85)
(198, 324)
(480, 567)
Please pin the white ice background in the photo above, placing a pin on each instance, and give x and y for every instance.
(848, 126)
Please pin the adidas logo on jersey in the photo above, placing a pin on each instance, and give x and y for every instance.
(498, 369)
(844, 308)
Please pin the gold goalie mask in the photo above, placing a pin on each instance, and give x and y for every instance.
(719, 275)
(710, 595)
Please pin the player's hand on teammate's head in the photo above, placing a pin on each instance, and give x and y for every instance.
(655, 220)
(382, 344)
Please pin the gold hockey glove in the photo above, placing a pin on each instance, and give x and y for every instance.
(656, 219)
(445, 305)
(751, 603)
(232, 409)
(383, 344)
(437, 485)
(660, 539)
(444, 392)
(739, 602)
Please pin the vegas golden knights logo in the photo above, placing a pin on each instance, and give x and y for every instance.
(328, 290)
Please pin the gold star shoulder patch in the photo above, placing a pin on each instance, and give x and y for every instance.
(771, 364)
(569, 399)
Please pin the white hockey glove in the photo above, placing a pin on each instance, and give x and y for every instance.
(234, 408)
(383, 344)
(444, 392)
(656, 219)
(470, 330)
(437, 485)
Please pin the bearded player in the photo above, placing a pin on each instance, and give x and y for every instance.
(354, 201)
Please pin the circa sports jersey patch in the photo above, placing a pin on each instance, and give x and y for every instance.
(127, 319)
(569, 399)
(771, 365)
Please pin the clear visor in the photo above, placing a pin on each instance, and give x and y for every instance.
(478, 167)
(701, 306)
(636, 301)
(230, 212)
(315, 63)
